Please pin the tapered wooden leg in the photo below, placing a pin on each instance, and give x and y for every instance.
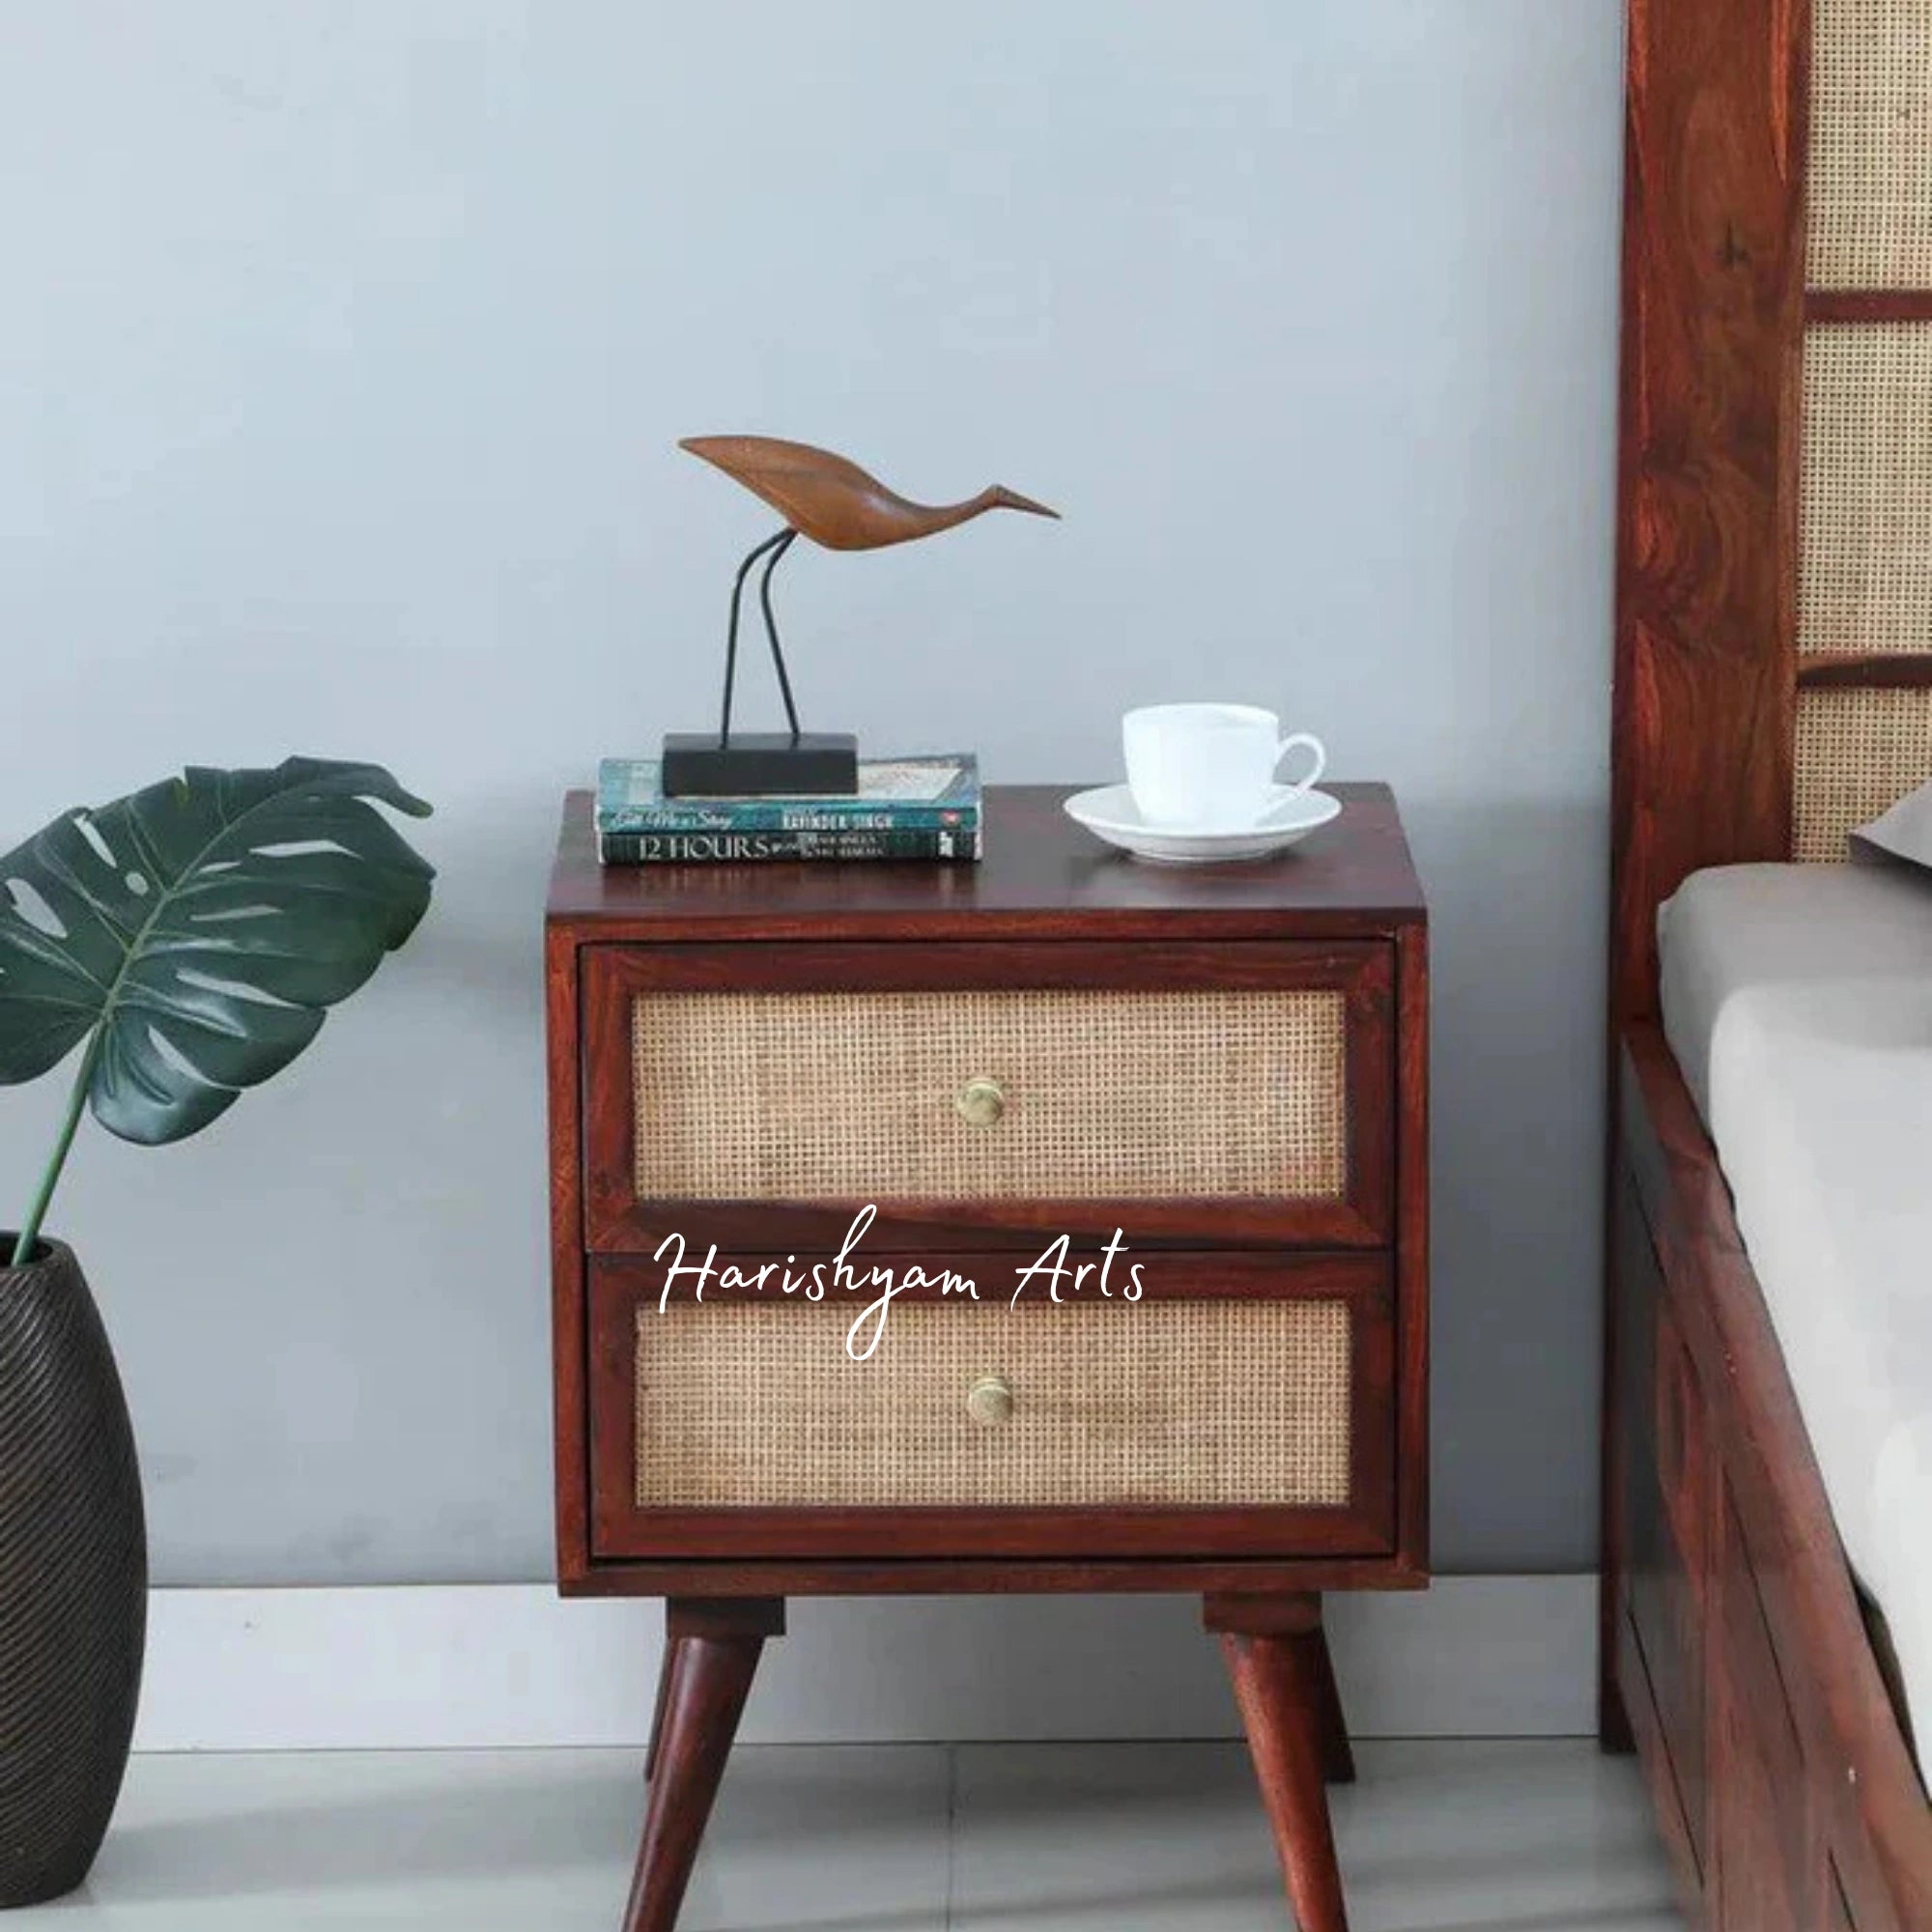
(716, 1642)
(1274, 1650)
(666, 1673)
(1614, 1736)
(1338, 1756)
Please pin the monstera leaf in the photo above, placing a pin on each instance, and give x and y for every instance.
(194, 932)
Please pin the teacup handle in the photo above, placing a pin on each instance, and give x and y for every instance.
(1293, 742)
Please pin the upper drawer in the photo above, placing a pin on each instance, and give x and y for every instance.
(986, 1093)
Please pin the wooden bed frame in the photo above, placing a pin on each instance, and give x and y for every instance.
(1765, 701)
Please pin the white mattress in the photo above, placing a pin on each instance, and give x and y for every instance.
(1798, 1000)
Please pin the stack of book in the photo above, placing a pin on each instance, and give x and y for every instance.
(923, 808)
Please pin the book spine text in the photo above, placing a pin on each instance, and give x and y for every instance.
(760, 816)
(734, 848)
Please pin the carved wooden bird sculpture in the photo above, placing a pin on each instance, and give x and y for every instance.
(834, 503)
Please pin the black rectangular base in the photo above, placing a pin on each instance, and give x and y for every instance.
(761, 764)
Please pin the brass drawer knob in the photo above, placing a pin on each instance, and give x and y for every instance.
(980, 1101)
(989, 1402)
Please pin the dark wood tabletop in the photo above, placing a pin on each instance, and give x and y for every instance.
(1352, 877)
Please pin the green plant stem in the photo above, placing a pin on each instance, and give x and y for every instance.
(30, 1228)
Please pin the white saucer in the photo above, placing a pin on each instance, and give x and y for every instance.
(1109, 812)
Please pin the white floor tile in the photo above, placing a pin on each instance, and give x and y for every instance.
(1436, 1837)
(804, 1840)
(541, 1841)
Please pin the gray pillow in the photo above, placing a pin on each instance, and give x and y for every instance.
(1905, 831)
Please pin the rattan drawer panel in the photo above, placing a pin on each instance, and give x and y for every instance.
(1869, 192)
(1198, 1403)
(1107, 1094)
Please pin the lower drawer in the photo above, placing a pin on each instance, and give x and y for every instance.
(1242, 1406)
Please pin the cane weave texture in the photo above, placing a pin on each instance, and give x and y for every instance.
(1858, 753)
(1870, 185)
(1196, 1402)
(1107, 1094)
(1865, 579)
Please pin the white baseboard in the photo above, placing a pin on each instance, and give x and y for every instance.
(442, 1666)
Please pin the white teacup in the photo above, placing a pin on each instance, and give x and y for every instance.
(1210, 766)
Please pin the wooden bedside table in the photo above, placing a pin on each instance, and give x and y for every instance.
(1228, 1067)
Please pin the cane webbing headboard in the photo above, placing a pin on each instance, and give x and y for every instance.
(1864, 727)
(1774, 663)
(1868, 205)
(1859, 751)
(1864, 564)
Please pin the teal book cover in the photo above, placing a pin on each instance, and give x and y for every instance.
(935, 791)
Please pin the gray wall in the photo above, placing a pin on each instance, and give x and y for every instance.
(342, 355)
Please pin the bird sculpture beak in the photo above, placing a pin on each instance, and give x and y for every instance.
(1011, 500)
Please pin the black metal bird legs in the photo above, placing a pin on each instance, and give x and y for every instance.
(773, 550)
(801, 765)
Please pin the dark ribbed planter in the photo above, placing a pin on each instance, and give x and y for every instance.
(73, 1577)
